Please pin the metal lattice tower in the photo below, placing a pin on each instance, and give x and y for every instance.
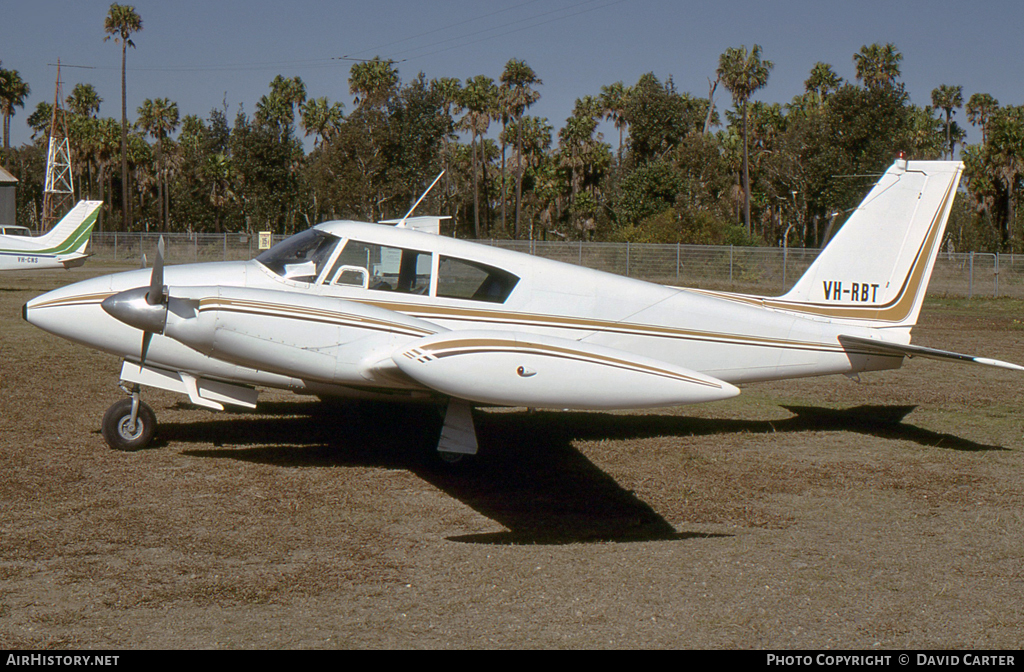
(59, 191)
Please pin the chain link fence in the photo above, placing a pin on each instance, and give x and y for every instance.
(767, 271)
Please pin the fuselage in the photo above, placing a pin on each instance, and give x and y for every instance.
(15, 256)
(435, 280)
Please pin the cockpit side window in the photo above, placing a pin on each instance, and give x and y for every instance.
(300, 257)
(383, 268)
(462, 279)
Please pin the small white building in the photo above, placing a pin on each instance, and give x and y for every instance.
(8, 198)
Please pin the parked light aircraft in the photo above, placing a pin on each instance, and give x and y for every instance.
(63, 246)
(367, 311)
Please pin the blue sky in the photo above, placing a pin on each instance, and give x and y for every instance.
(203, 54)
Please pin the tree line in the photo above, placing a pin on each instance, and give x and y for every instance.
(679, 167)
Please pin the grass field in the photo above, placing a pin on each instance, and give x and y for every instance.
(885, 513)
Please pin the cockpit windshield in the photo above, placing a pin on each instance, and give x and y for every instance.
(300, 257)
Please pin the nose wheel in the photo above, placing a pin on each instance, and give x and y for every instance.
(129, 424)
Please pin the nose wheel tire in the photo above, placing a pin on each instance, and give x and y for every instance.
(118, 430)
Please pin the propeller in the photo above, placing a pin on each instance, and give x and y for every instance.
(144, 308)
(156, 294)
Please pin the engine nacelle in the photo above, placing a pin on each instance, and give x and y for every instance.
(510, 369)
(309, 337)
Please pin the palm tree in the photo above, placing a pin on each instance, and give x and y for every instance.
(1006, 151)
(502, 111)
(478, 98)
(321, 119)
(823, 80)
(159, 118)
(518, 77)
(84, 104)
(121, 22)
(278, 108)
(39, 121)
(948, 99)
(13, 92)
(450, 89)
(84, 101)
(373, 82)
(221, 176)
(980, 107)
(744, 73)
(878, 66)
(578, 145)
(536, 134)
(105, 145)
(613, 101)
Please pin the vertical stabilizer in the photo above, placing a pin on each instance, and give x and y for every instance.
(71, 234)
(875, 270)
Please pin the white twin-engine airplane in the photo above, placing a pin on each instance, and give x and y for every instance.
(63, 246)
(366, 311)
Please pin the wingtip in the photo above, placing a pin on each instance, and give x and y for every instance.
(998, 363)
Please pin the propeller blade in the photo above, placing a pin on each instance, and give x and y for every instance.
(147, 336)
(156, 282)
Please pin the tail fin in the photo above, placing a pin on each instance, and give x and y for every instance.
(875, 270)
(71, 234)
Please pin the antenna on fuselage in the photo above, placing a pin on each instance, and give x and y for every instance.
(401, 222)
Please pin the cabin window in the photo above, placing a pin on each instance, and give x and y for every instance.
(300, 257)
(462, 279)
(383, 268)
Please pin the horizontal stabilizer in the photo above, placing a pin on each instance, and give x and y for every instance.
(515, 369)
(882, 347)
(74, 261)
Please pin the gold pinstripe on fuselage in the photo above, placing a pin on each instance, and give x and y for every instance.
(340, 318)
(452, 348)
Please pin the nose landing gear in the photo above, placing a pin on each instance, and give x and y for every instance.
(129, 424)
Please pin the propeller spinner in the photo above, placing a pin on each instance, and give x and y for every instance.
(144, 308)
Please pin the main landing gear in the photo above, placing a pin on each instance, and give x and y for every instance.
(129, 424)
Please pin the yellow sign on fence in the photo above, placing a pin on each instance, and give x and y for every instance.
(265, 239)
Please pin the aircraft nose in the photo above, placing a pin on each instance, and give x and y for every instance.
(62, 311)
(28, 309)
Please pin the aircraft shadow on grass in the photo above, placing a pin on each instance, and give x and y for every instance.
(528, 477)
